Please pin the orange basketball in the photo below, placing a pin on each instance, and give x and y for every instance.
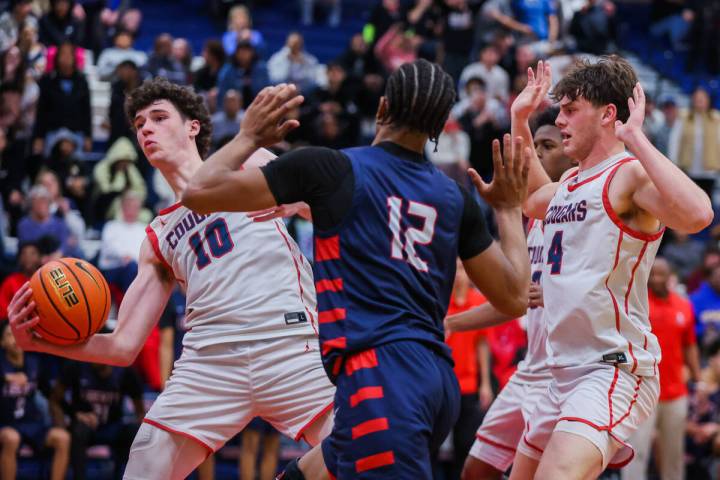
(72, 298)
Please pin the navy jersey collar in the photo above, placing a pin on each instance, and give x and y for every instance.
(402, 152)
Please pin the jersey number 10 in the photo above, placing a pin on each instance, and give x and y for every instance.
(412, 235)
(218, 240)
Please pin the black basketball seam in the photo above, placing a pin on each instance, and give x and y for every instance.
(85, 299)
(104, 288)
(52, 334)
(47, 294)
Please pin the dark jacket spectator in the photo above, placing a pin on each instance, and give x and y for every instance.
(59, 26)
(244, 72)
(162, 64)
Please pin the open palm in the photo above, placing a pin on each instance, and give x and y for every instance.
(532, 96)
(634, 123)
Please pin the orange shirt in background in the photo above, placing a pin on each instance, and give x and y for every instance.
(464, 345)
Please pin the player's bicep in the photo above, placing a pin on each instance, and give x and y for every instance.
(492, 273)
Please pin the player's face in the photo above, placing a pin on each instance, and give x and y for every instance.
(579, 123)
(548, 145)
(162, 131)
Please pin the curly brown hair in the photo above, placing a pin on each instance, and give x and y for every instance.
(609, 80)
(188, 103)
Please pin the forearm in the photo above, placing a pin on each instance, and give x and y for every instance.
(520, 127)
(484, 360)
(514, 245)
(100, 348)
(692, 360)
(682, 199)
(484, 316)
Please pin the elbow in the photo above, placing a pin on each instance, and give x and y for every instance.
(516, 308)
(125, 353)
(191, 199)
(700, 218)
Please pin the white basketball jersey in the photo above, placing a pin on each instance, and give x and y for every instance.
(243, 280)
(595, 277)
(534, 367)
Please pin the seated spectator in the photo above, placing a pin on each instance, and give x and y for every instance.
(593, 27)
(103, 18)
(703, 422)
(39, 222)
(239, 28)
(706, 303)
(397, 46)
(337, 98)
(452, 153)
(64, 157)
(244, 72)
(358, 59)
(22, 377)
(458, 34)
(114, 175)
(121, 51)
(59, 25)
(206, 78)
(12, 20)
(654, 123)
(120, 243)
(256, 431)
(292, 64)
(61, 91)
(496, 79)
(226, 123)
(541, 16)
(14, 73)
(127, 78)
(671, 20)
(497, 15)
(32, 50)
(332, 131)
(61, 206)
(384, 15)
(161, 62)
(671, 113)
(308, 11)
(93, 395)
(182, 52)
(28, 261)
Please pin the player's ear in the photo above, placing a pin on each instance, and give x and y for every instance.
(193, 127)
(609, 114)
(382, 110)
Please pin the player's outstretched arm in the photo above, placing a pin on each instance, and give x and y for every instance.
(660, 187)
(140, 310)
(502, 271)
(484, 316)
(218, 185)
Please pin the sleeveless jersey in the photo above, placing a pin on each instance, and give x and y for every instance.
(243, 280)
(534, 367)
(386, 272)
(595, 277)
(17, 403)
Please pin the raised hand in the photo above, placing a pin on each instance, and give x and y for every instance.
(625, 131)
(264, 123)
(508, 188)
(282, 211)
(535, 91)
(22, 317)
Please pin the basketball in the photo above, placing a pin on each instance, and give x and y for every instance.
(72, 298)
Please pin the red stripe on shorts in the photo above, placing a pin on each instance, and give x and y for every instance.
(330, 316)
(371, 426)
(494, 444)
(375, 461)
(338, 343)
(366, 393)
(333, 285)
(327, 248)
(364, 359)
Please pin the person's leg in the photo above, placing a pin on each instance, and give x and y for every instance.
(248, 453)
(81, 435)
(476, 469)
(524, 467)
(672, 416)
(271, 452)
(9, 445)
(464, 431)
(157, 454)
(642, 443)
(206, 470)
(59, 440)
(570, 456)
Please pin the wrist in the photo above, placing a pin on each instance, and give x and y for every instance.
(246, 140)
(634, 138)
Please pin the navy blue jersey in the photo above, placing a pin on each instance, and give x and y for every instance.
(385, 273)
(17, 400)
(100, 389)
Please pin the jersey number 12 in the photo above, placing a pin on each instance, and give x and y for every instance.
(413, 235)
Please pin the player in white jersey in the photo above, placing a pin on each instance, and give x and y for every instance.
(603, 222)
(251, 348)
(503, 425)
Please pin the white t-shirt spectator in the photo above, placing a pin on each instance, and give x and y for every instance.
(120, 241)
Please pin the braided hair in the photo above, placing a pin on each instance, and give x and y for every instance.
(419, 97)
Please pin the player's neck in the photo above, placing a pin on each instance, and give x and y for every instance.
(602, 150)
(179, 172)
(413, 141)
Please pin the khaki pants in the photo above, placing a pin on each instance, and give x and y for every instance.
(669, 420)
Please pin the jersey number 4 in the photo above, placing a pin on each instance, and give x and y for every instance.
(555, 253)
(413, 235)
(218, 240)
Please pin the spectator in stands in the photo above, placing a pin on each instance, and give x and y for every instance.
(684, 253)
(337, 97)
(695, 140)
(244, 72)
(382, 17)
(161, 62)
(671, 113)
(706, 304)
(182, 52)
(121, 51)
(593, 27)
(22, 377)
(60, 206)
(308, 11)
(12, 20)
(452, 153)
(28, 261)
(114, 175)
(14, 72)
(32, 50)
(206, 78)
(397, 46)
(257, 430)
(292, 64)
(671, 20)
(497, 15)
(103, 18)
(39, 222)
(495, 77)
(458, 34)
(226, 122)
(654, 123)
(358, 60)
(703, 423)
(59, 26)
(93, 396)
(239, 28)
(127, 78)
(426, 20)
(542, 17)
(704, 37)
(63, 90)
(471, 355)
(672, 321)
(64, 157)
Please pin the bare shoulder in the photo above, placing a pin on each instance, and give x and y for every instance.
(568, 173)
